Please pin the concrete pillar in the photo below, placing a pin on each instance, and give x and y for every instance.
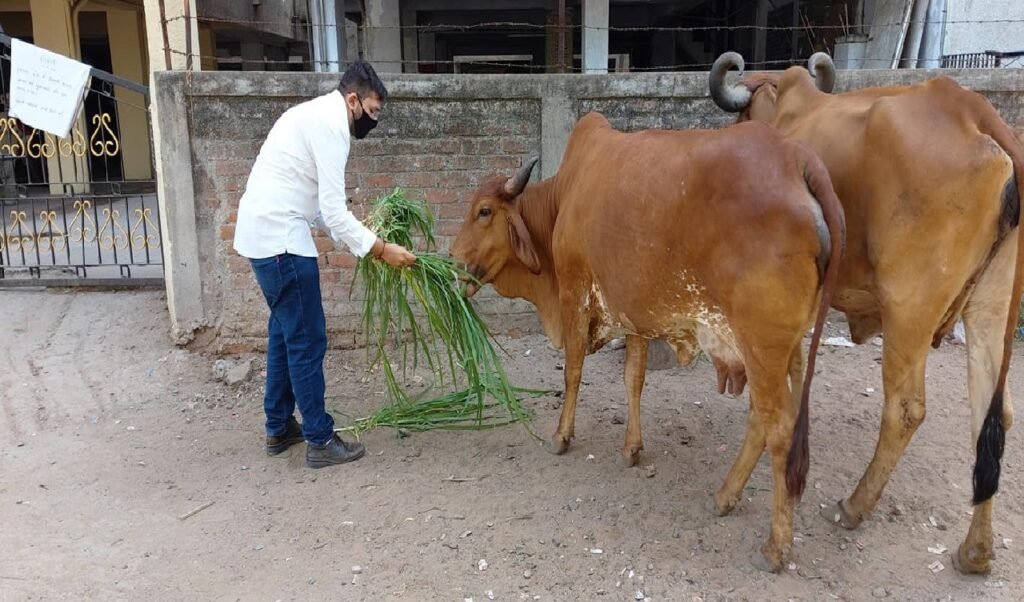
(327, 18)
(125, 45)
(595, 36)
(383, 36)
(557, 119)
(761, 34)
(207, 47)
(177, 28)
(352, 46)
(252, 56)
(410, 42)
(176, 196)
(173, 162)
(53, 28)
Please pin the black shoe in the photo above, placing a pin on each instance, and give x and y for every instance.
(335, 451)
(292, 435)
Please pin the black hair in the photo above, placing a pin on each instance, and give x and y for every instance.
(360, 78)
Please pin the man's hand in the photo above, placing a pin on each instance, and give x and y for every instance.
(395, 255)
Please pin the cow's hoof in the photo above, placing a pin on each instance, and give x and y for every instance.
(720, 506)
(837, 515)
(972, 561)
(629, 457)
(767, 559)
(558, 444)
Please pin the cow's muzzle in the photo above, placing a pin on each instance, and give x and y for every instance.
(470, 277)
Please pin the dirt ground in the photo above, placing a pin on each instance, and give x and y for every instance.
(109, 436)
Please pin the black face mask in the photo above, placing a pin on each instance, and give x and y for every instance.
(362, 126)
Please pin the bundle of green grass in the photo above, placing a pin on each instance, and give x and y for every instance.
(419, 314)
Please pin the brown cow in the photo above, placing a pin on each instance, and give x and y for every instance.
(926, 175)
(688, 236)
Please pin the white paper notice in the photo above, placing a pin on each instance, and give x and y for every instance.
(46, 88)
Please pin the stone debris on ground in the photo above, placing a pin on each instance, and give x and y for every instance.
(231, 372)
(838, 342)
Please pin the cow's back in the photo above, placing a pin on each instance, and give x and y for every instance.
(919, 183)
(671, 222)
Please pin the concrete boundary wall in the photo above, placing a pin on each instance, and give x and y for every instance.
(439, 137)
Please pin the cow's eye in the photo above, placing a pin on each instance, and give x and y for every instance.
(484, 212)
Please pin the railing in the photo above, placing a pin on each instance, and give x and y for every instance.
(80, 209)
(990, 59)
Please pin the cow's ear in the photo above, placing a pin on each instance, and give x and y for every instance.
(522, 244)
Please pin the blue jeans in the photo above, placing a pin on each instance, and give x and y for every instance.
(296, 345)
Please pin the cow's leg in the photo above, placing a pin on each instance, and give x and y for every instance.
(636, 370)
(731, 490)
(772, 400)
(574, 336)
(728, 495)
(985, 323)
(905, 351)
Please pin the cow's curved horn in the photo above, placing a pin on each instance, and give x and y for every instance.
(516, 184)
(732, 98)
(824, 71)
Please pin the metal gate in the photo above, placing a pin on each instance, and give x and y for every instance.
(80, 210)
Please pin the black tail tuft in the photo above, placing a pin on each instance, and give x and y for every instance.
(799, 460)
(990, 451)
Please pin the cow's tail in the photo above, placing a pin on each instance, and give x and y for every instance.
(820, 185)
(993, 432)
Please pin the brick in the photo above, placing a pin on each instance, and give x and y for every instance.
(341, 260)
(416, 179)
(503, 162)
(452, 211)
(225, 169)
(462, 179)
(456, 162)
(380, 181)
(516, 146)
(227, 232)
(449, 227)
(242, 281)
(359, 164)
(238, 264)
(323, 244)
(426, 162)
(233, 184)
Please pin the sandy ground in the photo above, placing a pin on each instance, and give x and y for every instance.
(109, 436)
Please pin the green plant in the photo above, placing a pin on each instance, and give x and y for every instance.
(452, 338)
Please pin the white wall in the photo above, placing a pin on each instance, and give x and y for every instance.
(963, 38)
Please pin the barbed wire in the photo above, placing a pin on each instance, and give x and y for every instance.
(581, 27)
(527, 67)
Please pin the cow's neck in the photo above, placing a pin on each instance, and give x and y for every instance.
(539, 208)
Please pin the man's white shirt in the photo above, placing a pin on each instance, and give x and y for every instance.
(298, 182)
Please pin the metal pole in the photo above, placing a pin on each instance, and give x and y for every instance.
(167, 43)
(188, 37)
(561, 36)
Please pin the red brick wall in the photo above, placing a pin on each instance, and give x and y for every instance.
(437, 149)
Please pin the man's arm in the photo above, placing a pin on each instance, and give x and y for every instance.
(330, 154)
